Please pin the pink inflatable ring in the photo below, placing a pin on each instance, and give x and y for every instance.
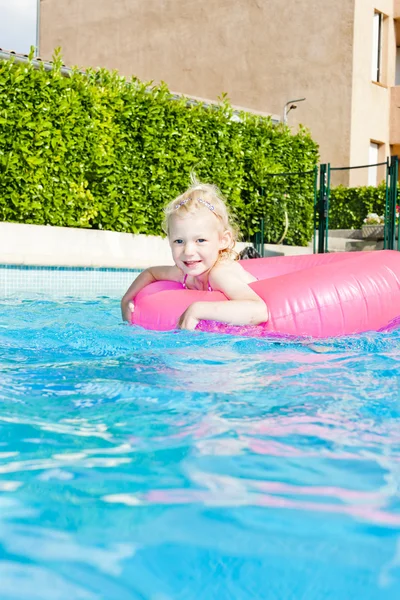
(317, 295)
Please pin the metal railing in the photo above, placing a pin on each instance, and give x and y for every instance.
(322, 192)
(321, 213)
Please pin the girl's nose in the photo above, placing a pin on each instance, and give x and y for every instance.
(189, 250)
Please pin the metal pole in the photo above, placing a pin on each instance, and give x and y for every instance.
(285, 108)
(386, 225)
(326, 206)
(262, 238)
(390, 227)
(398, 235)
(321, 209)
(393, 186)
(315, 208)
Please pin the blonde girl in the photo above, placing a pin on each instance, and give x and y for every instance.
(202, 238)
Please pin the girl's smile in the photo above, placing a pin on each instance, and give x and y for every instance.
(191, 263)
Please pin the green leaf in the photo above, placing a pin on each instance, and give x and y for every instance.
(94, 150)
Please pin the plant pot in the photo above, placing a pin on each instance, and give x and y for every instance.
(373, 232)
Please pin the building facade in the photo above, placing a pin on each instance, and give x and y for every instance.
(341, 56)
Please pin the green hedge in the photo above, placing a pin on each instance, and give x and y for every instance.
(349, 206)
(94, 150)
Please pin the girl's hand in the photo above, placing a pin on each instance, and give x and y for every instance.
(189, 319)
(145, 278)
(127, 309)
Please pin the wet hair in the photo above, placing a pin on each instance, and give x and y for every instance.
(248, 252)
(204, 195)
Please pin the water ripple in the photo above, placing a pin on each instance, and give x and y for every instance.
(270, 468)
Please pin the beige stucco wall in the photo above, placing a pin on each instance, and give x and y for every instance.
(395, 118)
(261, 53)
(370, 114)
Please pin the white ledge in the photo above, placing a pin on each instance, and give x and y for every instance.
(43, 245)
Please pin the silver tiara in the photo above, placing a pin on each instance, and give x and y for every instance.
(182, 202)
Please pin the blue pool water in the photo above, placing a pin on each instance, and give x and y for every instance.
(139, 465)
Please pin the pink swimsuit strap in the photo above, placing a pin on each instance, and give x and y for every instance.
(185, 286)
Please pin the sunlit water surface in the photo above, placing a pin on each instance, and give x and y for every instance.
(194, 466)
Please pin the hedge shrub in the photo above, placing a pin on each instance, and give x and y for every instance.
(348, 207)
(95, 150)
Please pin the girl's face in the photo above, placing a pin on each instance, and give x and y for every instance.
(196, 240)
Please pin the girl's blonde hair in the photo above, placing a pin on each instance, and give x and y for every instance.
(200, 195)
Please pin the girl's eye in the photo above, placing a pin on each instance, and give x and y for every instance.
(201, 240)
(178, 241)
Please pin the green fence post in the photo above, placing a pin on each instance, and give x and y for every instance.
(262, 238)
(394, 174)
(256, 240)
(387, 196)
(326, 205)
(394, 187)
(315, 208)
(390, 202)
(398, 229)
(322, 208)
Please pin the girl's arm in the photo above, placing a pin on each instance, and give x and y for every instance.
(243, 306)
(144, 278)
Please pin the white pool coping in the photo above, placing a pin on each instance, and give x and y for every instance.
(44, 245)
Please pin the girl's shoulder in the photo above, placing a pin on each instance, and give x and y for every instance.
(230, 268)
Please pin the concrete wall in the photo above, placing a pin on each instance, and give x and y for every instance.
(65, 246)
(44, 245)
(261, 53)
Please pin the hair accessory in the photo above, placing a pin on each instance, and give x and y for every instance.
(210, 206)
(207, 204)
(181, 203)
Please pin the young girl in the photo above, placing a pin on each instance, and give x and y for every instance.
(202, 239)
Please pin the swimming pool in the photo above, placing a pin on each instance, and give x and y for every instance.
(139, 465)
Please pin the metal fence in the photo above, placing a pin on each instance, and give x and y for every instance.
(322, 204)
(297, 179)
(321, 222)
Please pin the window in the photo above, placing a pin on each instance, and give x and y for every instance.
(376, 73)
(373, 160)
(397, 80)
